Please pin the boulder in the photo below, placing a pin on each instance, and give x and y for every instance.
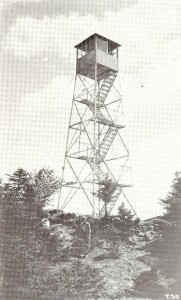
(141, 234)
(107, 255)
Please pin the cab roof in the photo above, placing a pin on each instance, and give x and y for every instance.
(113, 45)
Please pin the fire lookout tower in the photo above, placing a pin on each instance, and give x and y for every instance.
(95, 148)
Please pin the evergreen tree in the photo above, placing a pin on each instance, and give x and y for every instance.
(22, 201)
(45, 184)
(172, 203)
(19, 179)
(168, 248)
(106, 192)
(125, 214)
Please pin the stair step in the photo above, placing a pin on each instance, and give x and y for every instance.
(102, 94)
(106, 86)
(109, 123)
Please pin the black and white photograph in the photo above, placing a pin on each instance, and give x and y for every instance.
(90, 150)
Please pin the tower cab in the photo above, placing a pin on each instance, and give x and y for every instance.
(97, 56)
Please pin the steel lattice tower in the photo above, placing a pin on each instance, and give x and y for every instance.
(95, 148)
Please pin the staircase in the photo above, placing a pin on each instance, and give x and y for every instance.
(111, 132)
(106, 142)
(105, 88)
(98, 171)
(108, 136)
(100, 174)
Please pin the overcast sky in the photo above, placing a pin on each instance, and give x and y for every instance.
(37, 70)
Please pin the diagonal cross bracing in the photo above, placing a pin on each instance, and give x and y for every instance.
(94, 132)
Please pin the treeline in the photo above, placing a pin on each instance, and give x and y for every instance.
(28, 269)
(164, 252)
(23, 200)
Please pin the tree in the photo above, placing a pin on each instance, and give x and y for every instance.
(19, 179)
(45, 184)
(172, 203)
(167, 248)
(125, 214)
(28, 272)
(106, 192)
(23, 200)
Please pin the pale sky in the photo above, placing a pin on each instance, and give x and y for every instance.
(37, 73)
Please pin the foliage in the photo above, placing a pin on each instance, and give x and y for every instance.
(149, 284)
(164, 278)
(106, 192)
(22, 205)
(62, 281)
(45, 184)
(171, 239)
(125, 215)
(160, 225)
(172, 203)
(32, 262)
